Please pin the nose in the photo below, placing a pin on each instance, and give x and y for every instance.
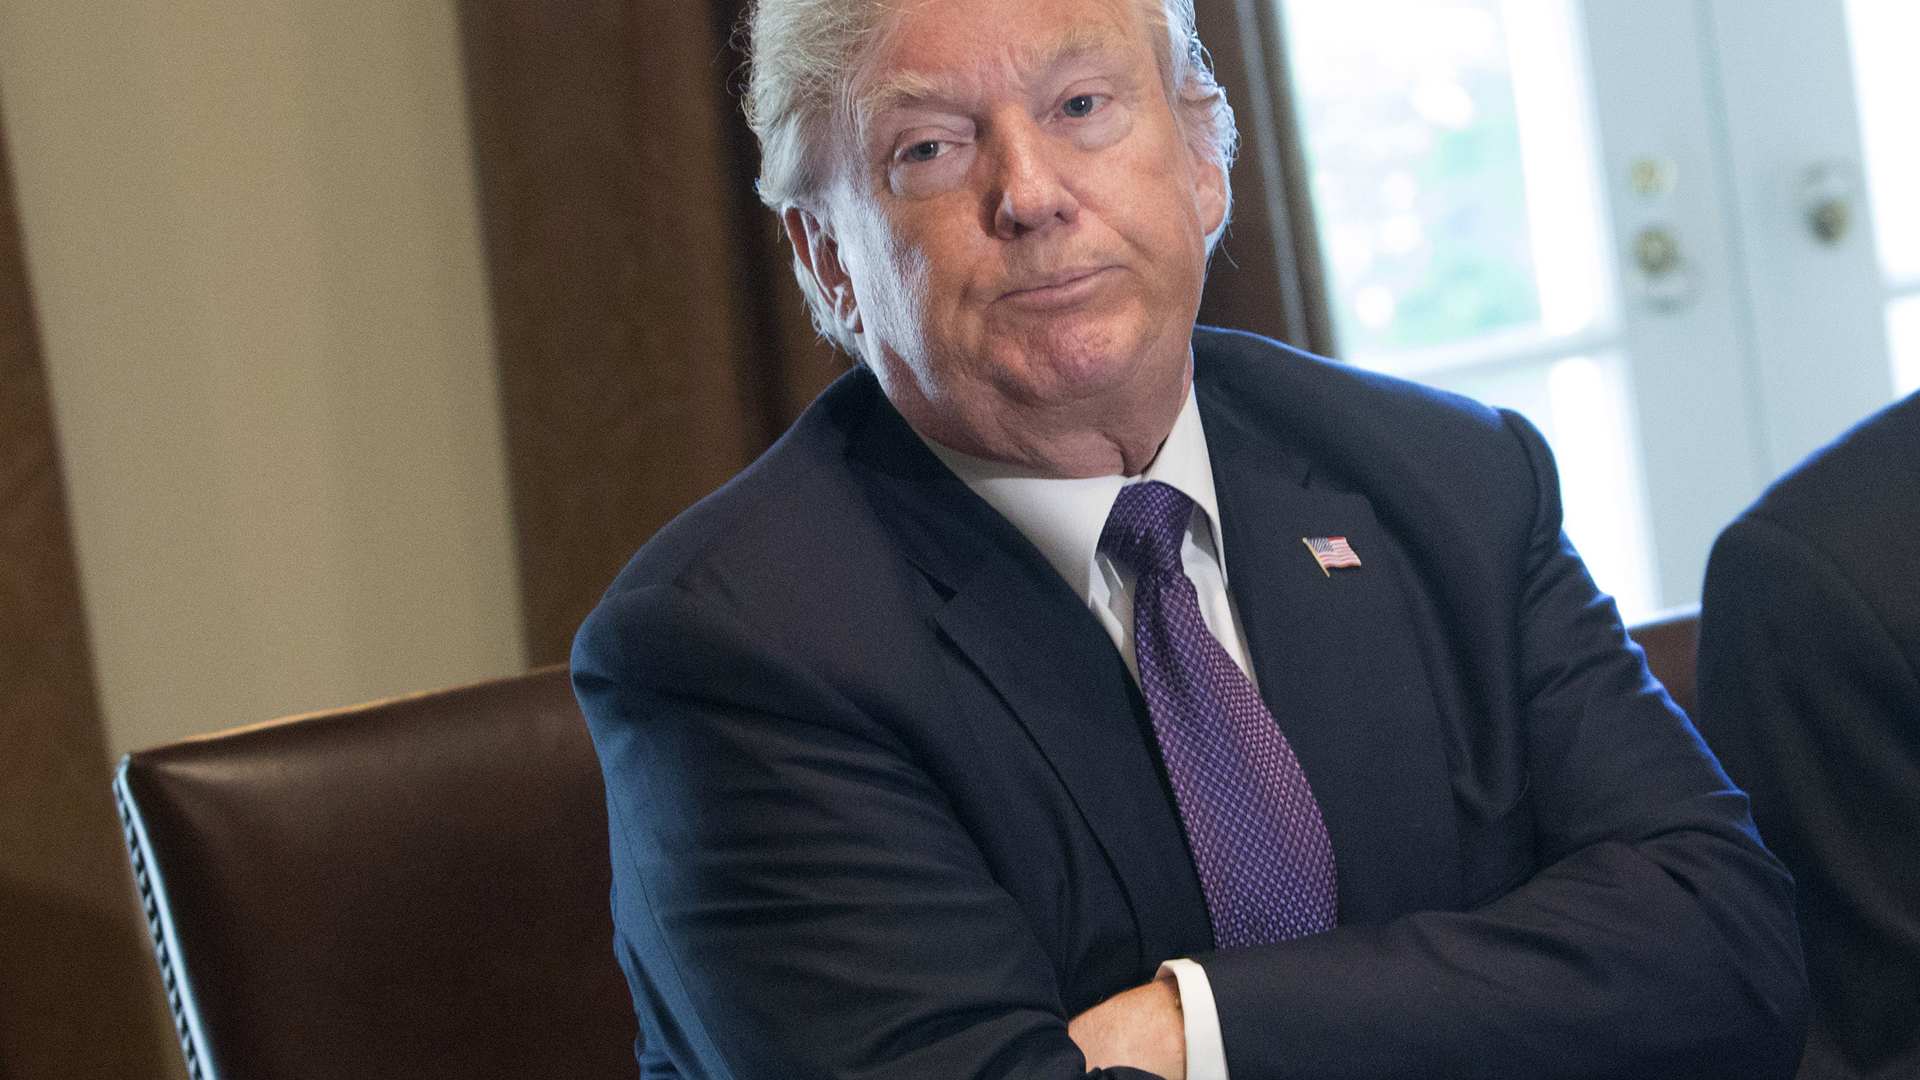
(1033, 195)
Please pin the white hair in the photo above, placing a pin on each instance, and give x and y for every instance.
(804, 59)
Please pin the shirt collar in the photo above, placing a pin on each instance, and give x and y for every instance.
(1064, 518)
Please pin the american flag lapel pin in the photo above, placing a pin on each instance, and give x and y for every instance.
(1330, 551)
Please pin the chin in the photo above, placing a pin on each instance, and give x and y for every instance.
(1066, 360)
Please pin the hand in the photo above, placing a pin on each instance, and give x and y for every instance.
(1142, 1028)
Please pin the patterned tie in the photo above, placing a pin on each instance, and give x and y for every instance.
(1266, 867)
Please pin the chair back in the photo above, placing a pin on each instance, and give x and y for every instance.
(413, 888)
(1671, 640)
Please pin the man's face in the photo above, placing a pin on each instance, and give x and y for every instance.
(1020, 223)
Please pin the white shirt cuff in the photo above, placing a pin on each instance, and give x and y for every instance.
(1206, 1054)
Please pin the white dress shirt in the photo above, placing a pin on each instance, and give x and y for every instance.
(1064, 519)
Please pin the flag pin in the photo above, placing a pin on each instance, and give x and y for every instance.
(1330, 551)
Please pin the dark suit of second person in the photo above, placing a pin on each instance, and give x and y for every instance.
(1810, 692)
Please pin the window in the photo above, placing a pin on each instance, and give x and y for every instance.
(1454, 173)
(1632, 221)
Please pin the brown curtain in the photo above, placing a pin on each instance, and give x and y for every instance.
(651, 342)
(651, 339)
(78, 986)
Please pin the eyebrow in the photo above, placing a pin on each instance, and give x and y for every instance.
(911, 89)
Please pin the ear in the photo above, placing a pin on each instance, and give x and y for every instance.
(1210, 194)
(814, 245)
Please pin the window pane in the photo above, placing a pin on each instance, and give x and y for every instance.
(1580, 405)
(1452, 168)
(1886, 38)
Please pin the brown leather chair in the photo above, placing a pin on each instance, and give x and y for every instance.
(413, 888)
(1671, 641)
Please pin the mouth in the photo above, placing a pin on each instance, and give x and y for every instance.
(1059, 288)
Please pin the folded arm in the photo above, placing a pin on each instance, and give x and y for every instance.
(793, 896)
(1655, 938)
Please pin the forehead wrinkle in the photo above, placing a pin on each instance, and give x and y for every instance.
(911, 89)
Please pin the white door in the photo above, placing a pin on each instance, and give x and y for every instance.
(1640, 223)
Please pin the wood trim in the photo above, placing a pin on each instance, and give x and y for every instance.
(80, 995)
(1266, 277)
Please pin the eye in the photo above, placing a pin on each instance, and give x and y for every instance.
(922, 151)
(1080, 105)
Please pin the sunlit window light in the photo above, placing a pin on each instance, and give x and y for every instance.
(1903, 338)
(1557, 156)
(1598, 478)
(1453, 171)
(1886, 37)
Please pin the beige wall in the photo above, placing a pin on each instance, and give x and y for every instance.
(252, 234)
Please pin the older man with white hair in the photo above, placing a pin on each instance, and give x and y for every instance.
(1074, 689)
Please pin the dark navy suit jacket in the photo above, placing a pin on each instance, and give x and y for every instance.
(885, 802)
(1810, 689)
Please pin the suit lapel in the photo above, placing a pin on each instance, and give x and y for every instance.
(1033, 640)
(1340, 667)
(1338, 661)
(1059, 673)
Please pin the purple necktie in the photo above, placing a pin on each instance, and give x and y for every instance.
(1266, 867)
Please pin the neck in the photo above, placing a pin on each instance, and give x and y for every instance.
(1116, 434)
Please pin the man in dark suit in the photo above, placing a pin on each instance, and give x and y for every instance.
(1071, 688)
(1810, 691)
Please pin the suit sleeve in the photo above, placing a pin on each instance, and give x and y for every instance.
(793, 897)
(1655, 937)
(1815, 707)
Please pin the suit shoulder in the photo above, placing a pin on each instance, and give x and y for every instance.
(795, 514)
(1269, 368)
(1855, 505)
(1372, 422)
(1867, 478)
